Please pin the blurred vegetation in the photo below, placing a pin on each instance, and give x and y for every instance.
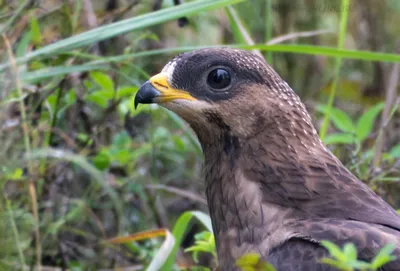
(88, 183)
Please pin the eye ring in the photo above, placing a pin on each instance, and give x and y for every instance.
(219, 78)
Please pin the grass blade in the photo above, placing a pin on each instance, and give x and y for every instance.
(122, 27)
(279, 48)
(179, 230)
(342, 34)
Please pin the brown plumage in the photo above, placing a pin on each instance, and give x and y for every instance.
(272, 186)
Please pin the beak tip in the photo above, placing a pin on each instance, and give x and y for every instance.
(136, 103)
(146, 94)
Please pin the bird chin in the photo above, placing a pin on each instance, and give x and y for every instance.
(189, 110)
(183, 106)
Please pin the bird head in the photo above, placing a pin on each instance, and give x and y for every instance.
(220, 90)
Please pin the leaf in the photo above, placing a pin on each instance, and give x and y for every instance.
(253, 262)
(127, 91)
(204, 242)
(100, 98)
(204, 219)
(248, 259)
(366, 122)
(121, 140)
(234, 22)
(395, 151)
(102, 160)
(23, 44)
(17, 174)
(122, 156)
(340, 119)
(35, 30)
(339, 138)
(384, 256)
(359, 265)
(178, 231)
(350, 251)
(70, 97)
(334, 250)
(103, 80)
(49, 72)
(163, 253)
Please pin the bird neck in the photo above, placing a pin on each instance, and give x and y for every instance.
(236, 166)
(242, 222)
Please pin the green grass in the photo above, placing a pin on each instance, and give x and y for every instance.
(341, 37)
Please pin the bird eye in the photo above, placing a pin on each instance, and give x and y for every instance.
(219, 78)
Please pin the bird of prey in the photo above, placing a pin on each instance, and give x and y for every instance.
(272, 186)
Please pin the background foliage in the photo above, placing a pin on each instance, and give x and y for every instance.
(89, 183)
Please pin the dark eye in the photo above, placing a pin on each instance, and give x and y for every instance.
(219, 79)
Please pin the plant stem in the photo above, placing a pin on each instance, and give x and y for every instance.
(342, 34)
(25, 129)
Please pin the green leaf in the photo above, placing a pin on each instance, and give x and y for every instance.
(384, 256)
(359, 265)
(340, 119)
(350, 251)
(127, 92)
(334, 250)
(121, 140)
(100, 98)
(159, 260)
(234, 21)
(102, 160)
(204, 242)
(339, 138)
(122, 156)
(253, 262)
(18, 174)
(366, 122)
(103, 80)
(179, 230)
(49, 72)
(23, 44)
(395, 151)
(35, 30)
(128, 106)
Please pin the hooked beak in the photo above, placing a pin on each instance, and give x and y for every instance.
(158, 90)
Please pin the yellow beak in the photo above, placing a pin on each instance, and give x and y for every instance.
(158, 90)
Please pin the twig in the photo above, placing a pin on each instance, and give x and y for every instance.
(25, 129)
(292, 36)
(91, 21)
(268, 27)
(390, 98)
(177, 191)
(15, 16)
(243, 30)
(120, 13)
(15, 232)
